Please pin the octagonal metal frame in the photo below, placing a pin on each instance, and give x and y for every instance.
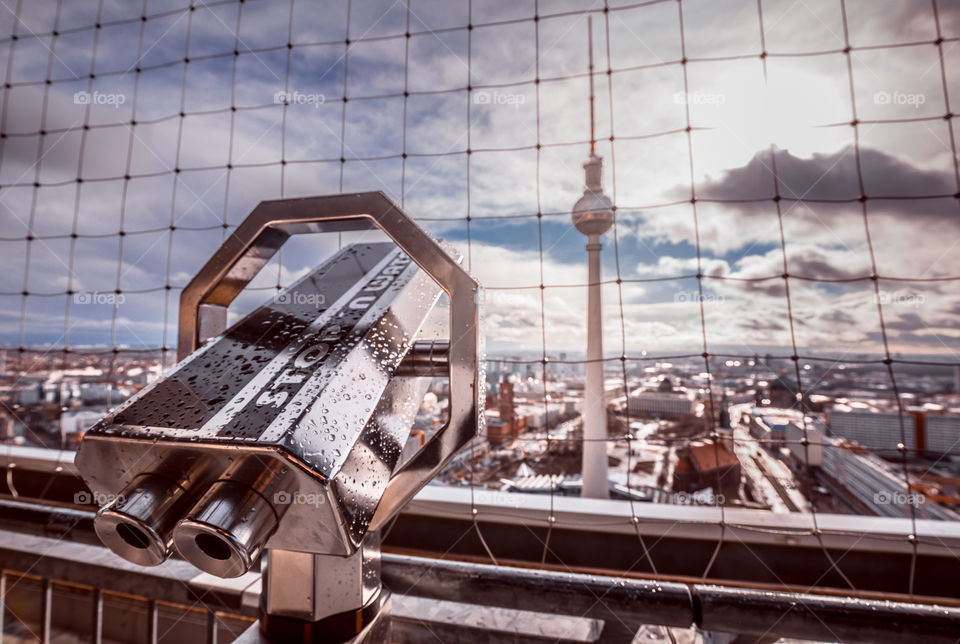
(204, 302)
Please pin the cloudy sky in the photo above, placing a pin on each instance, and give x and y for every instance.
(113, 106)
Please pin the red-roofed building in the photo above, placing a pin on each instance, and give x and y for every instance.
(706, 464)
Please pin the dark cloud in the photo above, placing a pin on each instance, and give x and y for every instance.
(835, 177)
(754, 324)
(809, 262)
(838, 317)
(915, 322)
(907, 322)
(815, 263)
(939, 342)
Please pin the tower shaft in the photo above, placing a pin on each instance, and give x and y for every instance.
(594, 466)
(593, 215)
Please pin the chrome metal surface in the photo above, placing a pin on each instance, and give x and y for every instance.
(824, 618)
(40, 459)
(262, 233)
(226, 530)
(631, 600)
(96, 617)
(317, 396)
(301, 584)
(211, 627)
(138, 524)
(153, 621)
(427, 358)
(375, 631)
(626, 604)
(308, 383)
(47, 611)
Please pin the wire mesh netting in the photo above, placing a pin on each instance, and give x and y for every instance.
(780, 289)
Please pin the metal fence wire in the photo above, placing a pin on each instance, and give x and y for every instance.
(785, 178)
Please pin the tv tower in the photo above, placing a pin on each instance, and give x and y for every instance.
(593, 216)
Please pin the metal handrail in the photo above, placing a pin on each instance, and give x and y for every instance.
(624, 605)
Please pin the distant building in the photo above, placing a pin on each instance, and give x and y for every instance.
(498, 431)
(769, 425)
(506, 402)
(811, 452)
(660, 404)
(875, 428)
(30, 394)
(724, 419)
(875, 484)
(502, 423)
(785, 393)
(934, 433)
(707, 464)
(75, 423)
(941, 433)
(542, 416)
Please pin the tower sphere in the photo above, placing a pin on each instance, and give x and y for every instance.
(593, 212)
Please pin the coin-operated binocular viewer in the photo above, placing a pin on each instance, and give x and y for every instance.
(288, 432)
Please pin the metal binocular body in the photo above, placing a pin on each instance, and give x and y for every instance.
(288, 431)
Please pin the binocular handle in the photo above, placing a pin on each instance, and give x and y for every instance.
(204, 302)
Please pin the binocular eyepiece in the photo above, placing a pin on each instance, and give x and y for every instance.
(226, 530)
(222, 531)
(138, 524)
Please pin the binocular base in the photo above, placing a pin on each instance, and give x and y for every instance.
(368, 624)
(313, 598)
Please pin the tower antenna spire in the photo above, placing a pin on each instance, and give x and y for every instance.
(593, 138)
(593, 215)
